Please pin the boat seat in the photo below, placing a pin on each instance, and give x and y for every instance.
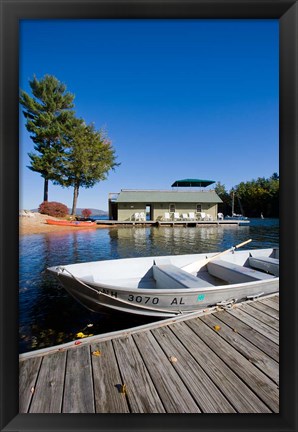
(168, 276)
(234, 273)
(267, 264)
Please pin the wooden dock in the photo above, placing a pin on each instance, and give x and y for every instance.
(175, 223)
(215, 361)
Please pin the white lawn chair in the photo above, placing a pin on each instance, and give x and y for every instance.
(203, 215)
(209, 217)
(167, 216)
(135, 217)
(185, 216)
(191, 216)
(176, 216)
(142, 217)
(220, 216)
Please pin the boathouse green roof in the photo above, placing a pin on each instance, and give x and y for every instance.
(167, 196)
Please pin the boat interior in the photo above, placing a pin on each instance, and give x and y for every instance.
(167, 272)
(254, 269)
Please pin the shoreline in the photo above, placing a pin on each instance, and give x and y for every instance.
(36, 224)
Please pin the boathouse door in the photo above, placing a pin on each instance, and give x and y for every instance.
(149, 211)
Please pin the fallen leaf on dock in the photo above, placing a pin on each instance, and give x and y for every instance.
(173, 359)
(123, 389)
(235, 330)
(81, 335)
(216, 327)
(77, 342)
(32, 390)
(96, 353)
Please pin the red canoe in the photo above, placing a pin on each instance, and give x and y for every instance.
(77, 224)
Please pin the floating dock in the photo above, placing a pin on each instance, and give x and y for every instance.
(213, 361)
(175, 223)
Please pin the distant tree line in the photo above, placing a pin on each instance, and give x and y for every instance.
(68, 152)
(251, 198)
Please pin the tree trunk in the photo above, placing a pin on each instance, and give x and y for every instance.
(46, 190)
(75, 199)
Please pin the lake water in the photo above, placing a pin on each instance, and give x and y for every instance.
(49, 316)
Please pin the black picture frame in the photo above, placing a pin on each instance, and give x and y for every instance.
(12, 11)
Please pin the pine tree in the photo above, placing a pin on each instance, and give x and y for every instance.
(89, 156)
(47, 114)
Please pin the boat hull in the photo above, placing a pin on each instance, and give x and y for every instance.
(76, 224)
(157, 304)
(145, 298)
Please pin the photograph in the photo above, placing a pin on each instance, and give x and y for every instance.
(122, 126)
(147, 219)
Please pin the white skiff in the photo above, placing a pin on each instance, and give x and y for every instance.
(169, 285)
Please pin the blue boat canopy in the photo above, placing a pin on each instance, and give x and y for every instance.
(192, 183)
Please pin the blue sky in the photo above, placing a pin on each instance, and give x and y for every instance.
(178, 98)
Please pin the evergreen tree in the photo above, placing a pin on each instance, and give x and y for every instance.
(221, 191)
(259, 196)
(47, 115)
(88, 158)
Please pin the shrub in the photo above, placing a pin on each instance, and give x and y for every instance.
(86, 213)
(53, 208)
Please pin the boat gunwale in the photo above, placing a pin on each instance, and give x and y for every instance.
(204, 255)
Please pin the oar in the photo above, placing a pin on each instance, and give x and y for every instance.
(195, 266)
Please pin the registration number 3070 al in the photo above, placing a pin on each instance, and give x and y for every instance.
(143, 299)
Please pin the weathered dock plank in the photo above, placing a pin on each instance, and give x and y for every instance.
(78, 389)
(48, 392)
(259, 383)
(266, 390)
(208, 396)
(261, 327)
(142, 395)
(242, 398)
(261, 316)
(275, 299)
(107, 380)
(271, 302)
(170, 387)
(253, 354)
(259, 340)
(266, 309)
(28, 372)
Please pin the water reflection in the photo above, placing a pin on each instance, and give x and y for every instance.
(48, 315)
(145, 241)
